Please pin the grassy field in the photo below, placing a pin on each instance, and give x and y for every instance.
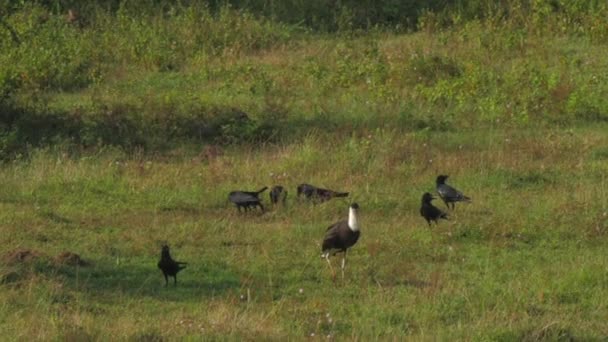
(125, 129)
(525, 260)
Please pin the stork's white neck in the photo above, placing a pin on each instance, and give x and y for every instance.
(353, 221)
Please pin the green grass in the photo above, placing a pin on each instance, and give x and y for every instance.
(125, 130)
(526, 260)
(160, 81)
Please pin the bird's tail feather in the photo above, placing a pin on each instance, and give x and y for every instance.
(262, 190)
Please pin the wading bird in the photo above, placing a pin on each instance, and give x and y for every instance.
(340, 237)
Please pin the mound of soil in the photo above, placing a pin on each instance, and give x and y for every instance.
(20, 256)
(71, 259)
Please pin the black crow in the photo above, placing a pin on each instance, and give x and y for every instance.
(318, 194)
(278, 193)
(449, 194)
(246, 199)
(169, 266)
(429, 211)
(340, 237)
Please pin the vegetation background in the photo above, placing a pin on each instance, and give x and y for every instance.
(124, 124)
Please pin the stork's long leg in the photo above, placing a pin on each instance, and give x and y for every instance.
(333, 273)
(343, 263)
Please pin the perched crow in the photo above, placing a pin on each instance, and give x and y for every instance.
(449, 194)
(247, 199)
(278, 193)
(318, 194)
(429, 211)
(340, 237)
(169, 266)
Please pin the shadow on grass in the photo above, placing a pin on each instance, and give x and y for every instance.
(141, 281)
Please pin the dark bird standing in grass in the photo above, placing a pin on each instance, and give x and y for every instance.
(449, 194)
(278, 193)
(429, 211)
(169, 266)
(247, 199)
(340, 237)
(318, 194)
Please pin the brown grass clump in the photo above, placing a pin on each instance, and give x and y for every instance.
(209, 153)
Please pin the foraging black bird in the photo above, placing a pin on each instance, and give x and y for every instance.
(448, 194)
(247, 199)
(318, 194)
(169, 266)
(278, 193)
(429, 211)
(340, 236)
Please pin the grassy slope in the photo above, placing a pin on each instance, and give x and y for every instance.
(151, 82)
(464, 78)
(525, 260)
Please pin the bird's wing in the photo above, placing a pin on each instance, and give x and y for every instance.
(332, 227)
(332, 235)
(240, 197)
(332, 231)
(448, 192)
(438, 212)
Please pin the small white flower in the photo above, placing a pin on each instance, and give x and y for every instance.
(312, 334)
(301, 291)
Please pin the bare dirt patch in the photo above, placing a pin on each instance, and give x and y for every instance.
(71, 259)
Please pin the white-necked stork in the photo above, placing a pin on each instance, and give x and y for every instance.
(340, 237)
